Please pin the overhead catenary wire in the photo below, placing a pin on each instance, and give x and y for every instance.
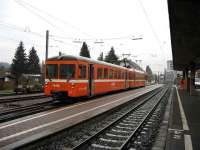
(58, 19)
(99, 39)
(67, 23)
(149, 22)
(16, 40)
(8, 39)
(20, 29)
(63, 42)
(35, 11)
(40, 16)
(38, 12)
(74, 39)
(152, 28)
(62, 37)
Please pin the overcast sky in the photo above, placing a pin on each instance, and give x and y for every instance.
(113, 22)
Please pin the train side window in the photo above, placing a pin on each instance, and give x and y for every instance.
(105, 73)
(82, 71)
(99, 73)
(111, 74)
(131, 76)
(122, 75)
(119, 74)
(115, 74)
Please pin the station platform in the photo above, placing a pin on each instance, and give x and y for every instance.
(184, 121)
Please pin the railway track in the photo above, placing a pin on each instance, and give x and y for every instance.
(14, 113)
(134, 129)
(21, 111)
(16, 98)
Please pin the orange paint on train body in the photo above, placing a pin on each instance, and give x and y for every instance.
(73, 76)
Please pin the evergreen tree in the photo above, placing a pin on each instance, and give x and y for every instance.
(155, 77)
(112, 57)
(100, 58)
(84, 50)
(19, 63)
(33, 62)
(149, 73)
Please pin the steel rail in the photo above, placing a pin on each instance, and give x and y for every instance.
(124, 146)
(87, 141)
(14, 94)
(20, 98)
(24, 111)
(22, 108)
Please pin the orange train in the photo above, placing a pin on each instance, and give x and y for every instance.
(75, 76)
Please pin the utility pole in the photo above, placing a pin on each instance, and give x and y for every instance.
(47, 43)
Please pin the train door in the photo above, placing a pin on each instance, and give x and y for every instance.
(91, 79)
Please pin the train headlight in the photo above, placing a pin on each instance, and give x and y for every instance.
(73, 85)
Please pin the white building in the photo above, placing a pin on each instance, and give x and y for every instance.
(169, 65)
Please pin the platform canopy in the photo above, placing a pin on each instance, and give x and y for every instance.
(184, 18)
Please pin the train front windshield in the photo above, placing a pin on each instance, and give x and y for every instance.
(52, 71)
(67, 71)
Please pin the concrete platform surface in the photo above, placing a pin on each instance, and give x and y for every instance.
(184, 123)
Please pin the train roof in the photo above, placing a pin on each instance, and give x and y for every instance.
(71, 57)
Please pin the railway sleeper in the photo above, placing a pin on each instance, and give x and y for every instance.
(145, 137)
(109, 142)
(102, 147)
(116, 135)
